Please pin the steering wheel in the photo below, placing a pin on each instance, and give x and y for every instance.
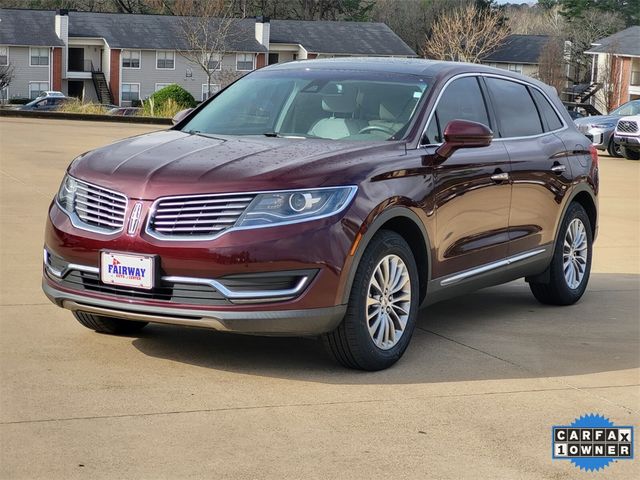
(377, 128)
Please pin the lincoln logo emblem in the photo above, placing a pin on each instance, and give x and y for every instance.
(135, 217)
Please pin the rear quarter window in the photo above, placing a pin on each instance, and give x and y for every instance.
(550, 117)
(515, 110)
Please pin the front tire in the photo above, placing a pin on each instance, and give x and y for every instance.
(382, 309)
(614, 149)
(571, 263)
(630, 154)
(112, 326)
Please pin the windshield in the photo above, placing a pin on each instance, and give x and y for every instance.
(631, 108)
(329, 104)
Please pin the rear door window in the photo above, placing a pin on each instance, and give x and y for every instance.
(462, 100)
(516, 113)
(550, 117)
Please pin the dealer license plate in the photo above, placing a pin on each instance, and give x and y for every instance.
(127, 269)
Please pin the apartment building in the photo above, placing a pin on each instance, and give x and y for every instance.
(121, 58)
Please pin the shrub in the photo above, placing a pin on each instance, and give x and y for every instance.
(174, 92)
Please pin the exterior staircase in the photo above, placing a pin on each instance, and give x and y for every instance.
(102, 88)
(587, 93)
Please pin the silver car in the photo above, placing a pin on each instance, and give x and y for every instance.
(600, 127)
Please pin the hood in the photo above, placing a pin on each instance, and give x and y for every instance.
(172, 162)
(597, 120)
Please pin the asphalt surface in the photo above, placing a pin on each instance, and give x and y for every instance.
(483, 381)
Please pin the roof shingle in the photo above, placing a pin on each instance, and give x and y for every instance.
(524, 49)
(625, 42)
(28, 27)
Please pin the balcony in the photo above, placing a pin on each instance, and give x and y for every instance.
(78, 67)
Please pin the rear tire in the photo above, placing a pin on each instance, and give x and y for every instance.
(570, 267)
(383, 307)
(614, 149)
(112, 326)
(630, 154)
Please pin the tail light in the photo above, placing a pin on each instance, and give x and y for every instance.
(594, 155)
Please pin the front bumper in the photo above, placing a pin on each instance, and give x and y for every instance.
(307, 322)
(627, 141)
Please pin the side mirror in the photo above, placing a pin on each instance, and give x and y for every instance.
(181, 115)
(463, 134)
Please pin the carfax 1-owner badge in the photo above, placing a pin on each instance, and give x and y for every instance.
(592, 442)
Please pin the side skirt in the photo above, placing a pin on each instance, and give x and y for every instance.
(532, 262)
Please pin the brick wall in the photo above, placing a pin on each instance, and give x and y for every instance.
(114, 76)
(56, 73)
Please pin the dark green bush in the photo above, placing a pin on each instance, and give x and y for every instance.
(175, 92)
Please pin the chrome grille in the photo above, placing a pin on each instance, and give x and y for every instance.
(627, 126)
(99, 207)
(196, 217)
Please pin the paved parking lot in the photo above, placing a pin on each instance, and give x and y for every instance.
(483, 381)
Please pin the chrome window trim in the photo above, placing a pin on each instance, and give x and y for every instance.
(244, 296)
(77, 222)
(501, 77)
(205, 238)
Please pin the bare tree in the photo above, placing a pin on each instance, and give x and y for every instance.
(552, 64)
(209, 28)
(466, 34)
(6, 75)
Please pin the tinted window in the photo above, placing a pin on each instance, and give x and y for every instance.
(551, 119)
(462, 100)
(514, 107)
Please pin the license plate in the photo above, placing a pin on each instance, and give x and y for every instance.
(127, 270)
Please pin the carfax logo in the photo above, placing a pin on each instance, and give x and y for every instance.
(592, 442)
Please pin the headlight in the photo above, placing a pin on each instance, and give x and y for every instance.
(67, 193)
(604, 125)
(277, 208)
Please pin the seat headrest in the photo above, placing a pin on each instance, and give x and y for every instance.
(344, 101)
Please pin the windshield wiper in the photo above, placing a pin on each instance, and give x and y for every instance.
(299, 136)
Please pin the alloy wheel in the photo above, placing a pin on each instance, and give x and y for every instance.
(388, 302)
(574, 253)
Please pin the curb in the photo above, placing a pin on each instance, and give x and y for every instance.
(83, 116)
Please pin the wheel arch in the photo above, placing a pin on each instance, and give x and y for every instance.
(587, 200)
(408, 225)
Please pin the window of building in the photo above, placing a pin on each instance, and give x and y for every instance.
(516, 113)
(36, 87)
(4, 55)
(131, 59)
(515, 67)
(206, 92)
(38, 57)
(244, 61)
(214, 62)
(160, 86)
(165, 59)
(130, 92)
(548, 114)
(462, 100)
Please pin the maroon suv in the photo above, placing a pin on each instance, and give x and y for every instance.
(329, 198)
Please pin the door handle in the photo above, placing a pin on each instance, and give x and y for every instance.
(500, 177)
(558, 169)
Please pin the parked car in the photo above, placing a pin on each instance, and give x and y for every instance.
(45, 103)
(600, 127)
(627, 136)
(329, 198)
(50, 93)
(124, 111)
